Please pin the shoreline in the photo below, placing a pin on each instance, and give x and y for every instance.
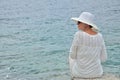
(106, 76)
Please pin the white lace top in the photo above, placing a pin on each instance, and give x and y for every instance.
(87, 51)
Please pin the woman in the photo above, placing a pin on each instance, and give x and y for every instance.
(88, 49)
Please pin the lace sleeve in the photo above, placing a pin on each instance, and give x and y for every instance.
(103, 55)
(73, 49)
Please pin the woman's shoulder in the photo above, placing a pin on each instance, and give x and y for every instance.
(78, 32)
(100, 34)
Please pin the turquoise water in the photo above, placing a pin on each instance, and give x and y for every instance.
(35, 36)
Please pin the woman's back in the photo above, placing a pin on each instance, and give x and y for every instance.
(88, 55)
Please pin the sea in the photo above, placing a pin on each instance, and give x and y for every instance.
(36, 35)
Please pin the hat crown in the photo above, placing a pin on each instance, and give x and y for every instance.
(86, 16)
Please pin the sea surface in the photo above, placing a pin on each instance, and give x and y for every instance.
(35, 36)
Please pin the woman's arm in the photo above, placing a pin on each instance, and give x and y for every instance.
(103, 55)
(73, 49)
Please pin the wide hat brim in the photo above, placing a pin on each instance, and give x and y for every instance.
(86, 22)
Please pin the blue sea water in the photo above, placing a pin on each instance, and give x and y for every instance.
(35, 36)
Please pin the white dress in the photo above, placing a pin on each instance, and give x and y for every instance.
(86, 54)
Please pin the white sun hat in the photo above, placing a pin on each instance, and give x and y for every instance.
(86, 18)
